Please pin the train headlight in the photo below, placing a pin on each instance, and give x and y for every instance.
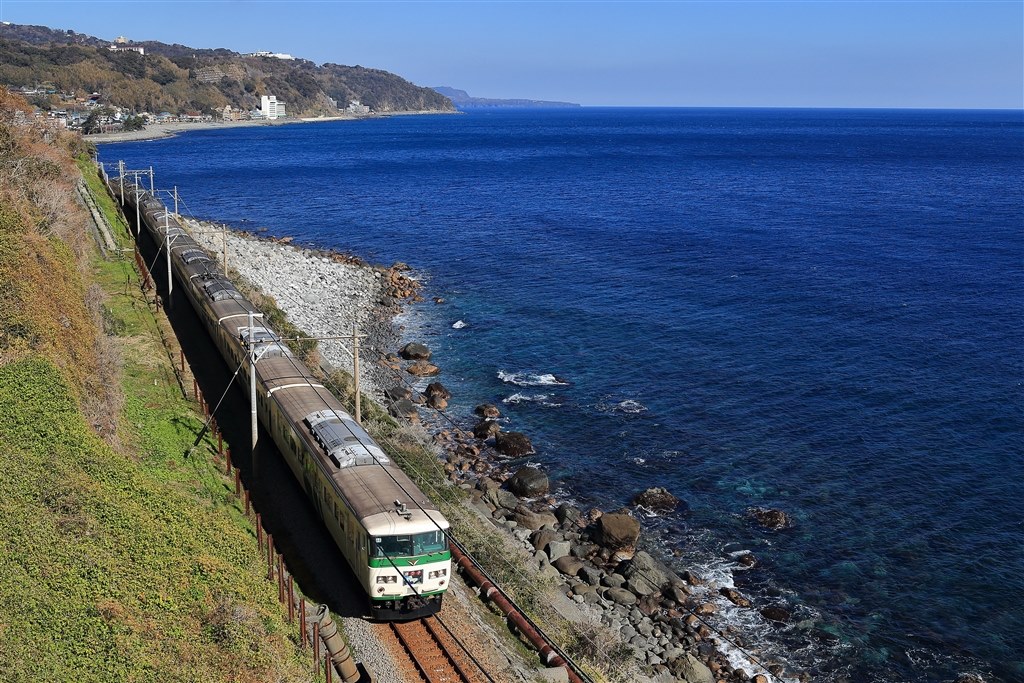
(437, 573)
(387, 579)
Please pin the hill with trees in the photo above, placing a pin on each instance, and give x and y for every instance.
(179, 79)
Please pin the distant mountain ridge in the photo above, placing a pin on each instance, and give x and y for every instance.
(463, 100)
(178, 78)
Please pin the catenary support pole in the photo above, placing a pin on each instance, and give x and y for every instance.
(152, 187)
(175, 201)
(167, 242)
(120, 178)
(355, 371)
(252, 385)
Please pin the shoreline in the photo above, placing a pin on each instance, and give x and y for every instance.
(157, 131)
(612, 581)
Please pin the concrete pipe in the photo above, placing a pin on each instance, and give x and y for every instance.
(337, 649)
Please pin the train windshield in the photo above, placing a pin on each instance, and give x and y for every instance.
(409, 544)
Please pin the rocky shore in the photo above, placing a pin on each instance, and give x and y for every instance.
(594, 557)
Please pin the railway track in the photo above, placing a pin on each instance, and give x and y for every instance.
(436, 654)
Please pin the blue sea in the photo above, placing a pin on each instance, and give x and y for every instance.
(820, 311)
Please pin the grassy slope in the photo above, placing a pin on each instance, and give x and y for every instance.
(128, 564)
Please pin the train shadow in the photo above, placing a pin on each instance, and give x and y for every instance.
(319, 568)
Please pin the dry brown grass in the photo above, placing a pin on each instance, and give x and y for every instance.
(45, 306)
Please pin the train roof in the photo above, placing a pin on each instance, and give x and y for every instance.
(371, 486)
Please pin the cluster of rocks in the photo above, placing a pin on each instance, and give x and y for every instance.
(399, 286)
(594, 557)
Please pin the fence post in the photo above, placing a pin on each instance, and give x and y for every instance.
(316, 643)
(291, 599)
(270, 557)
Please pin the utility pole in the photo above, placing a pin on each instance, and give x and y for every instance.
(120, 178)
(254, 424)
(138, 199)
(355, 370)
(224, 246)
(167, 242)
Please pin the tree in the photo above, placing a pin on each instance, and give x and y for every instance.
(133, 123)
(93, 122)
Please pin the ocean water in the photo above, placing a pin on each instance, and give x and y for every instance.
(817, 311)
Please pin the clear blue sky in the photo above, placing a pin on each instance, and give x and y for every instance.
(759, 53)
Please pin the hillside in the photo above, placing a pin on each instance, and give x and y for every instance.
(180, 79)
(122, 561)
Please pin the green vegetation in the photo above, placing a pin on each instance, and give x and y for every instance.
(180, 79)
(122, 561)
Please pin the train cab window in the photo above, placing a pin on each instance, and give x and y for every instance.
(409, 544)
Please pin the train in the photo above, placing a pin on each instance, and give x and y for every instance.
(392, 536)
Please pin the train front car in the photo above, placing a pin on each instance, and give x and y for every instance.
(409, 562)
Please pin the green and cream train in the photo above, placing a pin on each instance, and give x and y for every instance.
(393, 537)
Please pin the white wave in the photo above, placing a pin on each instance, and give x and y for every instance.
(525, 379)
(458, 325)
(540, 399)
(629, 407)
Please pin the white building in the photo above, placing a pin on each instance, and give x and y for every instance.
(274, 55)
(127, 48)
(354, 107)
(271, 108)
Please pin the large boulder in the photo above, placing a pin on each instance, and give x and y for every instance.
(644, 575)
(617, 530)
(541, 539)
(437, 402)
(485, 429)
(692, 670)
(568, 565)
(621, 596)
(770, 518)
(567, 514)
(528, 482)
(397, 393)
(513, 444)
(734, 596)
(657, 499)
(404, 408)
(529, 519)
(775, 613)
(500, 499)
(487, 410)
(415, 351)
(437, 389)
(422, 368)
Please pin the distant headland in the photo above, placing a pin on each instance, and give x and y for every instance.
(463, 100)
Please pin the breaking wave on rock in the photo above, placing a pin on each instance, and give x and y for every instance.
(525, 379)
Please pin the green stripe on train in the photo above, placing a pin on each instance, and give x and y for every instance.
(396, 597)
(383, 562)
